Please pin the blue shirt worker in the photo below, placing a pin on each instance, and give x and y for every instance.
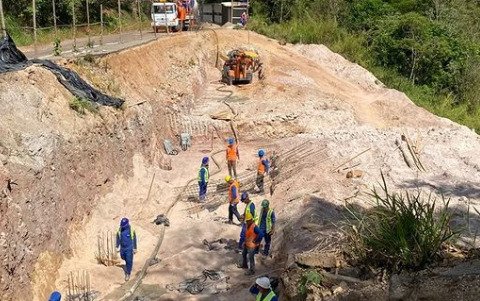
(126, 245)
(263, 290)
(263, 168)
(203, 175)
(253, 237)
(249, 208)
(267, 225)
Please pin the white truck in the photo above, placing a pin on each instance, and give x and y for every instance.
(167, 14)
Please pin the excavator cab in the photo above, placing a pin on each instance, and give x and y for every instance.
(240, 66)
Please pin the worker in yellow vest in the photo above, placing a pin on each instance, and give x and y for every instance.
(249, 208)
(266, 223)
(263, 290)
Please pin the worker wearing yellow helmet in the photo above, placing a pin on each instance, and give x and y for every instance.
(233, 198)
(253, 237)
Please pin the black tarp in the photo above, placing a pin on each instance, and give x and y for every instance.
(12, 59)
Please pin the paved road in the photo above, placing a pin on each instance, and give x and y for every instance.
(111, 43)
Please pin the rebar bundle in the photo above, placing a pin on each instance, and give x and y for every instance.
(106, 253)
(79, 288)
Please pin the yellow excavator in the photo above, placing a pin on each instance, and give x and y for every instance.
(240, 66)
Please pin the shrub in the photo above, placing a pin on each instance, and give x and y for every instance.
(402, 230)
(81, 106)
(309, 277)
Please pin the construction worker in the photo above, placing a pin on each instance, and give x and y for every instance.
(253, 237)
(182, 12)
(55, 296)
(263, 168)
(232, 157)
(243, 19)
(249, 208)
(267, 225)
(263, 290)
(203, 175)
(126, 245)
(233, 199)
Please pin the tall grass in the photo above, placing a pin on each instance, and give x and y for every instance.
(402, 230)
(355, 48)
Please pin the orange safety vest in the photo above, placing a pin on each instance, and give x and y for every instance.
(232, 152)
(250, 237)
(230, 197)
(181, 12)
(261, 167)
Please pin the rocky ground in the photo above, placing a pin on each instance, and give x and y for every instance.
(78, 175)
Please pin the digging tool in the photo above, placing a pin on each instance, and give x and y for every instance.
(351, 159)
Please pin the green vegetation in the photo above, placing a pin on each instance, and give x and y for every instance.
(429, 49)
(81, 106)
(402, 230)
(57, 47)
(19, 19)
(308, 278)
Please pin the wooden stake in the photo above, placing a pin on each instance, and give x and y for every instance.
(74, 27)
(89, 43)
(101, 24)
(54, 18)
(2, 17)
(34, 9)
(139, 19)
(120, 20)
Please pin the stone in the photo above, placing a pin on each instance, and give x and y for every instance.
(319, 260)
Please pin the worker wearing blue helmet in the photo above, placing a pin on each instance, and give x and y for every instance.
(203, 175)
(263, 168)
(127, 245)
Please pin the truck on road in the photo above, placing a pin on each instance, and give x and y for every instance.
(174, 16)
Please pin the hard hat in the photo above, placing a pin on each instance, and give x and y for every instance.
(124, 222)
(231, 141)
(244, 196)
(248, 216)
(205, 160)
(263, 282)
(265, 203)
(228, 178)
(55, 296)
(261, 152)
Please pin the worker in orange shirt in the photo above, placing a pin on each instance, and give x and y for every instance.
(182, 12)
(232, 156)
(233, 198)
(263, 168)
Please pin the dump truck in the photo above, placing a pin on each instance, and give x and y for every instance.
(241, 65)
(176, 16)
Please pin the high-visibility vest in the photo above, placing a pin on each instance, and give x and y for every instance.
(206, 174)
(261, 167)
(247, 210)
(230, 197)
(250, 237)
(268, 220)
(269, 297)
(232, 152)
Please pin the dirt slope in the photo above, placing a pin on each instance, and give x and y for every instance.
(79, 175)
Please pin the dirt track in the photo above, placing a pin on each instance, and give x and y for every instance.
(309, 95)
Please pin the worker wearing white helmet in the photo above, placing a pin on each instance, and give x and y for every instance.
(263, 290)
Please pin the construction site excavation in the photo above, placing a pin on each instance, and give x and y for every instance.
(131, 174)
